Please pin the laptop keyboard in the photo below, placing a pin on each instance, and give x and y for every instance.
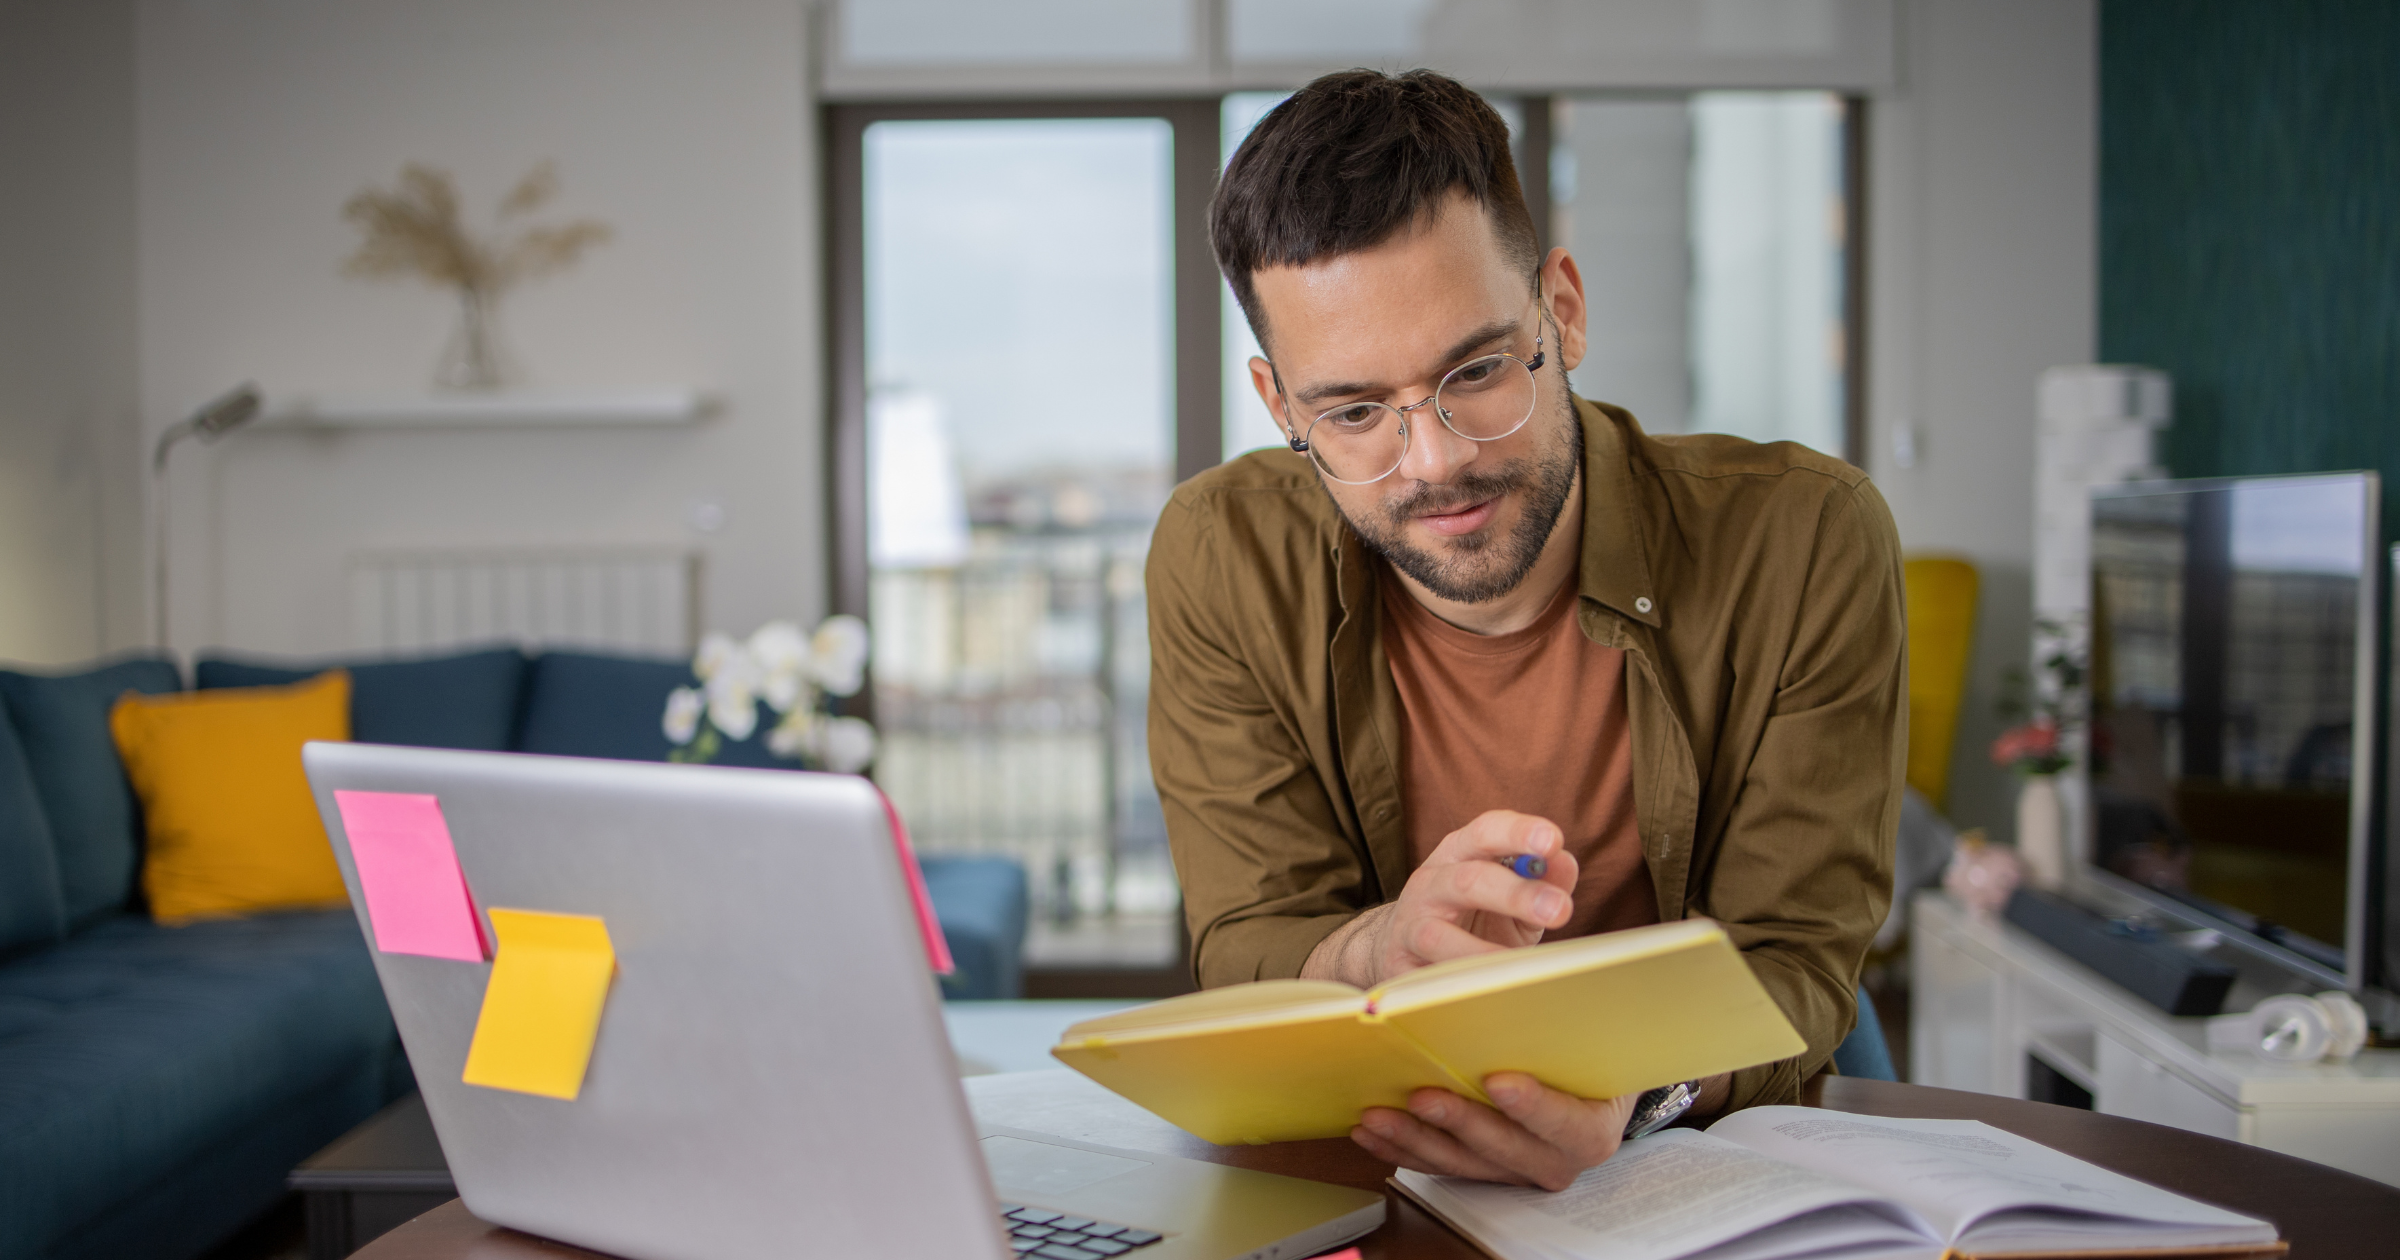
(1058, 1236)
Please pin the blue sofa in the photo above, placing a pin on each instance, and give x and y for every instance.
(156, 1084)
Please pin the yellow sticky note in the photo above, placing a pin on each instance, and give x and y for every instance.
(541, 1009)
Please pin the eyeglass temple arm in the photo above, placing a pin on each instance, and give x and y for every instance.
(1299, 444)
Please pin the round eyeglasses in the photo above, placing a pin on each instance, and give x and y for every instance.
(1481, 400)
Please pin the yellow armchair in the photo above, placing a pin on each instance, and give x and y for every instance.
(1941, 593)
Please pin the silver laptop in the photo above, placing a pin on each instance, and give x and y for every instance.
(771, 1076)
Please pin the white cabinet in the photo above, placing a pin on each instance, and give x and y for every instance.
(1987, 999)
(1951, 1031)
(2140, 1088)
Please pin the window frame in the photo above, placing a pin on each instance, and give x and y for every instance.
(1198, 416)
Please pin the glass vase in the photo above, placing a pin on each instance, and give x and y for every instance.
(472, 358)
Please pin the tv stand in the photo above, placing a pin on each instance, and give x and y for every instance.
(1996, 1011)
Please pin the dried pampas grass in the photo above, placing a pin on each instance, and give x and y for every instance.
(414, 228)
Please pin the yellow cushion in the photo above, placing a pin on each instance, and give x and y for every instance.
(231, 825)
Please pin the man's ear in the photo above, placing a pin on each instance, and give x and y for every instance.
(1262, 379)
(1562, 285)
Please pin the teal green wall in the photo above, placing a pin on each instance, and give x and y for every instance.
(2250, 227)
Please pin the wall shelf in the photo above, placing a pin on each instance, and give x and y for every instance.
(505, 409)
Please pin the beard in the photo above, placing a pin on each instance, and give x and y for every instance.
(1482, 566)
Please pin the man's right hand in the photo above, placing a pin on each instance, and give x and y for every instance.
(1462, 901)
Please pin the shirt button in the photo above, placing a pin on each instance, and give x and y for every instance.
(1642, 604)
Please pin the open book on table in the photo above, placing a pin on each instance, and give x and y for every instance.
(1597, 1016)
(1777, 1183)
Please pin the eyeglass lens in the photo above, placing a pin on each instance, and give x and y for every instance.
(1483, 399)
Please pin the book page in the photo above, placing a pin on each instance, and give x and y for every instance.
(1233, 1004)
(1482, 973)
(1671, 1195)
(1608, 1015)
(1956, 1173)
(1853, 1231)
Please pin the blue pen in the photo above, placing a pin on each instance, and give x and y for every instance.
(1527, 866)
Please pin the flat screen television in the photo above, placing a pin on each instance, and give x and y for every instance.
(2235, 710)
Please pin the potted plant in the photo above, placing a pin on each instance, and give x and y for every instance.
(796, 677)
(2041, 747)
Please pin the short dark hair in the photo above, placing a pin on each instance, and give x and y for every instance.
(1350, 160)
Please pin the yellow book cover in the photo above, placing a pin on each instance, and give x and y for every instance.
(1597, 1017)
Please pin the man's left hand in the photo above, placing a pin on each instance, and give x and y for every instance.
(1538, 1137)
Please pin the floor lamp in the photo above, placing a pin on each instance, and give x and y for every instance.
(230, 411)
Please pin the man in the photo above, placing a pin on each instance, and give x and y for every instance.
(1469, 617)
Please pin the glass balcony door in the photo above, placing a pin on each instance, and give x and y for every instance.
(1009, 404)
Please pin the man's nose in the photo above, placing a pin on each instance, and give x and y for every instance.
(1435, 454)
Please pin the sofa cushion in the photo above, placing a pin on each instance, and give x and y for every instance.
(32, 913)
(581, 705)
(62, 721)
(230, 825)
(465, 701)
(132, 1050)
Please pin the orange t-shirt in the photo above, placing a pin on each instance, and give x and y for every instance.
(1532, 721)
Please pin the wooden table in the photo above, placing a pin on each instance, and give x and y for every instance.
(372, 1180)
(2324, 1213)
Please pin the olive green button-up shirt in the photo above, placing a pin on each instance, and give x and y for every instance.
(1755, 591)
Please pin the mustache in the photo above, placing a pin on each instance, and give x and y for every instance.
(1467, 489)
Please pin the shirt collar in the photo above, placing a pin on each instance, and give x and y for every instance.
(1615, 566)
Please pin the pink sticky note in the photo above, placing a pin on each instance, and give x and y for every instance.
(937, 946)
(417, 897)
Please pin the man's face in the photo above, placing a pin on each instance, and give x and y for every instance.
(1466, 519)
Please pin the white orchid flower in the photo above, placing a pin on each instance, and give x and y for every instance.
(783, 691)
(778, 645)
(838, 654)
(682, 720)
(715, 651)
(781, 654)
(733, 713)
(849, 744)
(800, 734)
(733, 695)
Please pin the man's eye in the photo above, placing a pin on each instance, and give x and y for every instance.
(1475, 373)
(1356, 416)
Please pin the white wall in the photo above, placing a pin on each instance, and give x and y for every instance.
(687, 126)
(70, 568)
(1982, 222)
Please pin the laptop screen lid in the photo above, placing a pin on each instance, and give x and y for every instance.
(771, 1050)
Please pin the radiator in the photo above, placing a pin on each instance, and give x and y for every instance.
(644, 600)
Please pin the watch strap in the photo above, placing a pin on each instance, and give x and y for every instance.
(1658, 1108)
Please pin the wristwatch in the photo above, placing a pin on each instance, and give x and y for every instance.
(1658, 1108)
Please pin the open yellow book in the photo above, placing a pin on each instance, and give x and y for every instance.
(1597, 1017)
